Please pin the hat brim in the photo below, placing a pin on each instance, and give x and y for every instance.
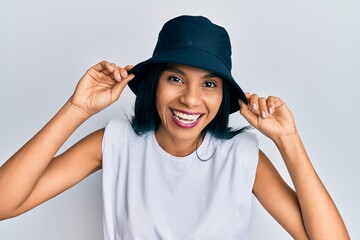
(195, 58)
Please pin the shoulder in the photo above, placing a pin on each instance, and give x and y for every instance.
(117, 129)
(245, 136)
(242, 140)
(242, 144)
(246, 152)
(116, 123)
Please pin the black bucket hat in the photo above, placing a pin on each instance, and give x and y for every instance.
(194, 41)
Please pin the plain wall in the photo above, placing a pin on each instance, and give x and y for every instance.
(306, 52)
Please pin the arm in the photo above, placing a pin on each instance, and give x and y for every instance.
(278, 198)
(32, 175)
(311, 202)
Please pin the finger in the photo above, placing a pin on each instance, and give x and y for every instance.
(270, 102)
(104, 67)
(129, 67)
(263, 109)
(100, 77)
(248, 114)
(247, 95)
(123, 72)
(99, 66)
(254, 104)
(119, 87)
(115, 75)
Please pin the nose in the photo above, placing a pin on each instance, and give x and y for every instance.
(191, 97)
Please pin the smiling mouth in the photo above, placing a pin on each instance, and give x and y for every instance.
(186, 118)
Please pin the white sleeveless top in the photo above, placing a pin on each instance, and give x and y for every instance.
(150, 194)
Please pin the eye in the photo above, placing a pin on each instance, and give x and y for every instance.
(210, 84)
(175, 79)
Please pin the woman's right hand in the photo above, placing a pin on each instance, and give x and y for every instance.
(33, 174)
(100, 86)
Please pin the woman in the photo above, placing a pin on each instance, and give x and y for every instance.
(176, 171)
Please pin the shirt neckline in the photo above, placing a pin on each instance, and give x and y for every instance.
(200, 150)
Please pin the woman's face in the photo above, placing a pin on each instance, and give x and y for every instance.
(187, 99)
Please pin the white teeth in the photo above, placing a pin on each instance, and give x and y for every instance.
(186, 118)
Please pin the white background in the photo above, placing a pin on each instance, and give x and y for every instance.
(306, 52)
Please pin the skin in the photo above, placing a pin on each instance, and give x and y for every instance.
(308, 213)
(189, 90)
(34, 174)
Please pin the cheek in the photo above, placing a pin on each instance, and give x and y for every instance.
(215, 102)
(159, 103)
(163, 97)
(159, 95)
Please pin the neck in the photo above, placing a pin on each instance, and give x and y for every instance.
(175, 146)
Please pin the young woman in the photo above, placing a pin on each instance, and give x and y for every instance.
(176, 170)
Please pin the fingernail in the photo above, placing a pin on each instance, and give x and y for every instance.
(263, 114)
(270, 110)
(239, 102)
(118, 76)
(132, 77)
(254, 106)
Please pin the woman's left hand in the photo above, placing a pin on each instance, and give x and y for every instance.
(269, 115)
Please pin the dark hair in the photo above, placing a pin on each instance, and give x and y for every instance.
(146, 117)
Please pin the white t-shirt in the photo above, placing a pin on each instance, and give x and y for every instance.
(150, 194)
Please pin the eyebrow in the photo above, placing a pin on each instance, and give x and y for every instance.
(179, 71)
(174, 70)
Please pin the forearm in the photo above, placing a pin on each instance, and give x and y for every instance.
(320, 215)
(19, 175)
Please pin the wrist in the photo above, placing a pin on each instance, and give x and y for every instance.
(288, 141)
(292, 151)
(74, 114)
(75, 111)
